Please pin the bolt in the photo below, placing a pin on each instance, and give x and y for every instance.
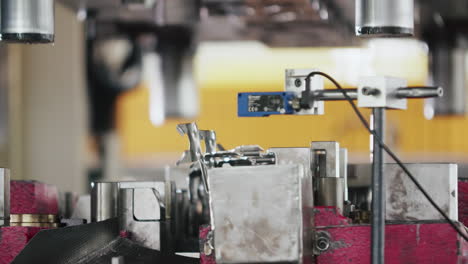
(323, 244)
(298, 83)
(370, 91)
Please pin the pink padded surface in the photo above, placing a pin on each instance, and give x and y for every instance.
(13, 240)
(30, 197)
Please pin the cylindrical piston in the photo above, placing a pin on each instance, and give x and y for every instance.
(384, 18)
(27, 21)
(104, 201)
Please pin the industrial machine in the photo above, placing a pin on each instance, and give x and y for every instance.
(245, 205)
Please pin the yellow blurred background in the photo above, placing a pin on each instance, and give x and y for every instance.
(224, 69)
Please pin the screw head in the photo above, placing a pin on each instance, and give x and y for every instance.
(298, 83)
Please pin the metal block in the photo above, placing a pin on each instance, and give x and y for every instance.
(292, 156)
(330, 192)
(380, 91)
(344, 171)
(4, 197)
(327, 154)
(257, 214)
(404, 200)
(140, 209)
(295, 82)
(104, 201)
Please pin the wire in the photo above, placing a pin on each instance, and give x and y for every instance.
(386, 148)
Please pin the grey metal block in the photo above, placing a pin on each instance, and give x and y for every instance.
(295, 82)
(4, 197)
(386, 97)
(140, 211)
(404, 200)
(257, 214)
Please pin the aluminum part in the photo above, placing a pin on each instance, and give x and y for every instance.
(258, 211)
(30, 21)
(104, 201)
(384, 18)
(140, 210)
(330, 151)
(404, 202)
(4, 197)
(387, 97)
(344, 171)
(295, 82)
(330, 192)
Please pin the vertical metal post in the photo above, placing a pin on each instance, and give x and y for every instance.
(378, 190)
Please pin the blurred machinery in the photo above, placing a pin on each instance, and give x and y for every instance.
(248, 205)
(244, 205)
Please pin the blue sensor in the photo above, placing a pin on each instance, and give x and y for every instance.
(264, 104)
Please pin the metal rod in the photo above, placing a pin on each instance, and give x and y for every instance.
(420, 92)
(334, 95)
(378, 190)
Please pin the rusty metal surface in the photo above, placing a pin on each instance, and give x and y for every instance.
(257, 211)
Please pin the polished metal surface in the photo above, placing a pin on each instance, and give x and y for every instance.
(33, 218)
(258, 210)
(420, 92)
(104, 201)
(334, 95)
(4, 197)
(378, 189)
(384, 17)
(344, 171)
(22, 18)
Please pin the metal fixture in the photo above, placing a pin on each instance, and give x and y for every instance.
(4, 197)
(379, 18)
(141, 211)
(27, 21)
(209, 136)
(378, 189)
(322, 242)
(403, 201)
(249, 215)
(294, 82)
(104, 201)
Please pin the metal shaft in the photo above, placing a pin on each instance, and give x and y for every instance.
(378, 190)
(334, 95)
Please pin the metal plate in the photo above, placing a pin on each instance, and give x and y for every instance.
(4, 196)
(404, 200)
(257, 213)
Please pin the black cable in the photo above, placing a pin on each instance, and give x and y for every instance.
(386, 148)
